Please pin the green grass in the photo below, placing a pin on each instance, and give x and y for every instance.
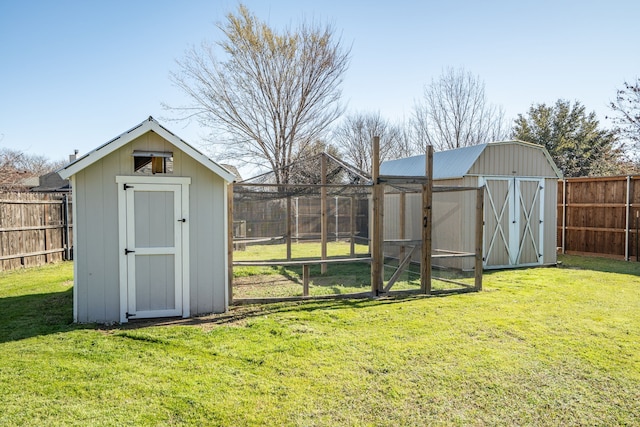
(340, 279)
(279, 281)
(35, 301)
(538, 347)
(298, 250)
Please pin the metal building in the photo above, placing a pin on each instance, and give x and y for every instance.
(520, 208)
(150, 228)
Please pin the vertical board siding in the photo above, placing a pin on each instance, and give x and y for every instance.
(595, 216)
(109, 200)
(94, 256)
(206, 241)
(81, 279)
(98, 295)
(550, 217)
(31, 224)
(512, 160)
(453, 221)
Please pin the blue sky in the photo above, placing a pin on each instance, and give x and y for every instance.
(75, 74)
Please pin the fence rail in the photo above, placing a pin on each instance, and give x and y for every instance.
(599, 216)
(35, 229)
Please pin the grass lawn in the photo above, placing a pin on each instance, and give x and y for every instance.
(547, 346)
(351, 278)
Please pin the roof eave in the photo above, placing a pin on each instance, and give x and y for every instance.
(149, 125)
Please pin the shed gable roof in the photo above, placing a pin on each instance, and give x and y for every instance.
(149, 125)
(452, 164)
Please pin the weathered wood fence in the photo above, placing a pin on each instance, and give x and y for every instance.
(35, 229)
(599, 216)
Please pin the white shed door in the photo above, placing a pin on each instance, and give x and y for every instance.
(513, 217)
(154, 237)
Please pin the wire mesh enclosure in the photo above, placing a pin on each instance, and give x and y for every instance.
(283, 231)
(262, 215)
(456, 221)
(316, 236)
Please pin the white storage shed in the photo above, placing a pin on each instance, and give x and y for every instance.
(520, 202)
(150, 228)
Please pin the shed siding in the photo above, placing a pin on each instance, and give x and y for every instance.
(453, 221)
(453, 224)
(551, 221)
(207, 242)
(98, 279)
(392, 216)
(98, 298)
(512, 160)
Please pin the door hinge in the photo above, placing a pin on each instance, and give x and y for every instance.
(128, 315)
(126, 186)
(127, 251)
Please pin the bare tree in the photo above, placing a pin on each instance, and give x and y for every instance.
(16, 166)
(272, 95)
(454, 113)
(354, 135)
(306, 168)
(627, 107)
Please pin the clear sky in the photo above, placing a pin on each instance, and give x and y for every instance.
(76, 73)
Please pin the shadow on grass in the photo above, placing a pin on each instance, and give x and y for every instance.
(27, 316)
(32, 315)
(239, 313)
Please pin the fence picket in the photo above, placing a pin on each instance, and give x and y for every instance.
(32, 229)
(597, 216)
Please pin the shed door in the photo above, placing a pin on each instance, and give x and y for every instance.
(529, 219)
(513, 231)
(154, 238)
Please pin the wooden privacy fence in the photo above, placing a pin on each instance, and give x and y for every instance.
(599, 216)
(35, 229)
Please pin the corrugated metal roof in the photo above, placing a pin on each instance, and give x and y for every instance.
(446, 164)
(456, 163)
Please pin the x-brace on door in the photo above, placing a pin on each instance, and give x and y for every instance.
(513, 221)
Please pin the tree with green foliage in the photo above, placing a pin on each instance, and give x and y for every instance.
(574, 138)
(265, 95)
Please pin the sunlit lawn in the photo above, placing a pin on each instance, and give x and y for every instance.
(340, 279)
(538, 347)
